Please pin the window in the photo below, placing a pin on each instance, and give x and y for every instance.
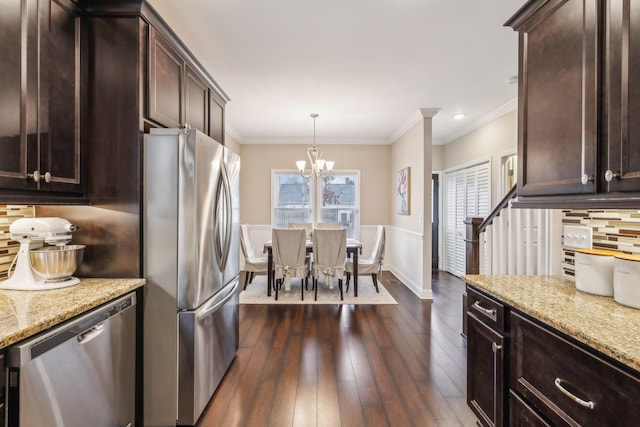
(338, 200)
(292, 199)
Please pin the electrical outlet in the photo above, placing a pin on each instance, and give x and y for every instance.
(578, 237)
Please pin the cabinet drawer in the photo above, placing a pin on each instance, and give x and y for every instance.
(521, 414)
(489, 310)
(569, 385)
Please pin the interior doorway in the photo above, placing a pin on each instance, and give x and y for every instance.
(435, 219)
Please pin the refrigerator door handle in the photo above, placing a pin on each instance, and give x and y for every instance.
(217, 304)
(223, 197)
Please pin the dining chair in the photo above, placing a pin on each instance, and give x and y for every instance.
(328, 225)
(373, 264)
(306, 226)
(329, 253)
(289, 248)
(252, 264)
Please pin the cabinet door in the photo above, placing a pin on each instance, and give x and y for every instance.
(40, 101)
(196, 101)
(623, 96)
(13, 132)
(557, 124)
(485, 372)
(165, 85)
(216, 118)
(59, 97)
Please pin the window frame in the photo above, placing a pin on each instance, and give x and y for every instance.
(315, 194)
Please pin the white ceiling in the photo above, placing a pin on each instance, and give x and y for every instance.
(365, 66)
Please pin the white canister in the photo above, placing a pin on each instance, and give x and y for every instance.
(626, 280)
(594, 271)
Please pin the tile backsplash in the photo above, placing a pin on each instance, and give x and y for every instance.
(8, 247)
(617, 230)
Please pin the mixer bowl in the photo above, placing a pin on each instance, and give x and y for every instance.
(56, 263)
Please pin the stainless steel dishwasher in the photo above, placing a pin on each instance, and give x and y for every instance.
(81, 373)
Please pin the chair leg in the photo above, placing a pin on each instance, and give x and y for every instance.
(302, 288)
(375, 281)
(348, 277)
(340, 285)
(251, 276)
(246, 280)
(315, 285)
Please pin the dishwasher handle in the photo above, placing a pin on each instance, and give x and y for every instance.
(92, 333)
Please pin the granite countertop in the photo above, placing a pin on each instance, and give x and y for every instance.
(599, 322)
(25, 313)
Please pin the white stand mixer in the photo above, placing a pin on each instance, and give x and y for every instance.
(32, 233)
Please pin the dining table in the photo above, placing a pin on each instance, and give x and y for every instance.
(354, 248)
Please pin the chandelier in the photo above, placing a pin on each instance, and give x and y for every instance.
(319, 166)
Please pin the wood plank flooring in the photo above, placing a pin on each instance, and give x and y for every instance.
(362, 365)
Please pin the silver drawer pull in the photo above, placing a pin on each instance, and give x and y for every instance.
(488, 311)
(587, 404)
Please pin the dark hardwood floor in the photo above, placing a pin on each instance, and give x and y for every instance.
(346, 365)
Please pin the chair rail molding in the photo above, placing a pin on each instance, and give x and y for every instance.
(405, 260)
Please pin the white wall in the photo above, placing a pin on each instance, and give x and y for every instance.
(409, 237)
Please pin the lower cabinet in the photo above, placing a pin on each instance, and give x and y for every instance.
(567, 384)
(3, 381)
(486, 359)
(522, 372)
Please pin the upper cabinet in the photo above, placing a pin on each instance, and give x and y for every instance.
(578, 69)
(177, 94)
(43, 73)
(622, 62)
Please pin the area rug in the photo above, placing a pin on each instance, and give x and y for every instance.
(256, 293)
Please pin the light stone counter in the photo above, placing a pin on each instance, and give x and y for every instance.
(599, 322)
(25, 313)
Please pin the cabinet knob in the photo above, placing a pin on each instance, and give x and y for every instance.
(609, 175)
(35, 176)
(585, 179)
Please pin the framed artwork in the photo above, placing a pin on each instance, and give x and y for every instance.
(403, 191)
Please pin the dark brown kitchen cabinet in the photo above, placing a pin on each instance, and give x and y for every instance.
(3, 375)
(567, 384)
(540, 375)
(177, 95)
(486, 359)
(558, 96)
(121, 64)
(165, 84)
(43, 74)
(579, 103)
(622, 62)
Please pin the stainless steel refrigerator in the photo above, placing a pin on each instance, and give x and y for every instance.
(191, 249)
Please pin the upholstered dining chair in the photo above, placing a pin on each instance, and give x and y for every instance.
(252, 264)
(289, 258)
(306, 226)
(373, 264)
(329, 253)
(328, 225)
